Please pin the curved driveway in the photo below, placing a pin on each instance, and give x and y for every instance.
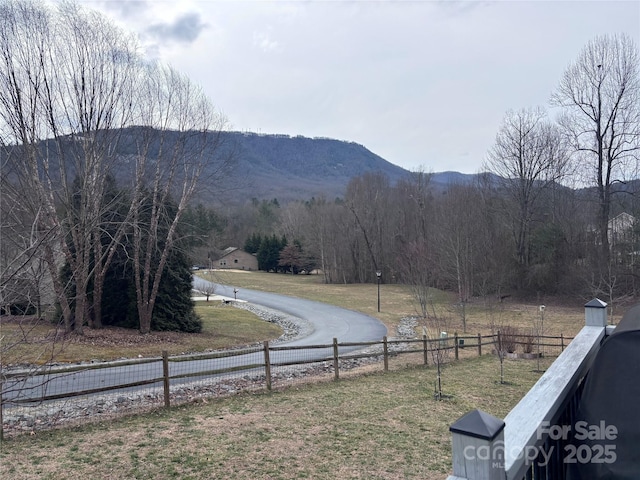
(328, 321)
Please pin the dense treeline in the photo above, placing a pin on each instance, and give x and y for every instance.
(463, 239)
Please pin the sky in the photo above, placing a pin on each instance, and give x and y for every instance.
(423, 84)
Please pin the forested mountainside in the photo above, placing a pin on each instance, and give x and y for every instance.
(263, 166)
(298, 168)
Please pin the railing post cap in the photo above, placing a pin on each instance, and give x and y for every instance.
(596, 303)
(478, 424)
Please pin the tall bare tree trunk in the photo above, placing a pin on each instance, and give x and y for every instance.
(599, 94)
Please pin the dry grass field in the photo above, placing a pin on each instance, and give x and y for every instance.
(27, 340)
(564, 316)
(373, 426)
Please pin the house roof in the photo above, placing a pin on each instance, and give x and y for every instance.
(230, 250)
(623, 217)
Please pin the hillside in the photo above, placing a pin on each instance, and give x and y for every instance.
(291, 168)
(264, 166)
(298, 168)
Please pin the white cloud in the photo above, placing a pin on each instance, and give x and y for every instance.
(186, 28)
(265, 42)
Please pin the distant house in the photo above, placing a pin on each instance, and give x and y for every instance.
(238, 259)
(623, 239)
(621, 229)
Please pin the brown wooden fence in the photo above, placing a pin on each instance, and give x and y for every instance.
(256, 367)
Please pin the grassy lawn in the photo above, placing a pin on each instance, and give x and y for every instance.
(396, 302)
(368, 425)
(30, 341)
(27, 341)
(374, 426)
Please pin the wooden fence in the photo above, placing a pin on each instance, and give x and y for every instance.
(50, 383)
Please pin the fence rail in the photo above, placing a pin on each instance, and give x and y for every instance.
(257, 367)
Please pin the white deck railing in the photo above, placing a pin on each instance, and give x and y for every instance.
(487, 448)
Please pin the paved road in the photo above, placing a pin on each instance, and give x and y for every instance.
(327, 322)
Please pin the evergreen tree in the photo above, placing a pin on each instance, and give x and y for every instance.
(252, 243)
(119, 296)
(269, 253)
(174, 308)
(198, 223)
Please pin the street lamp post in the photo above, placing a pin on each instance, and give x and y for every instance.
(378, 274)
(540, 332)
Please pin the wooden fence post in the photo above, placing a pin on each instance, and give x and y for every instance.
(336, 364)
(479, 345)
(455, 338)
(165, 378)
(267, 365)
(1, 420)
(562, 342)
(501, 355)
(425, 348)
(385, 348)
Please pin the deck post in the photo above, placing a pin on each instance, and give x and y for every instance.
(595, 313)
(478, 447)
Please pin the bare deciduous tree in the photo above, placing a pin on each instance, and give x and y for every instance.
(291, 258)
(208, 289)
(600, 99)
(322, 240)
(27, 33)
(415, 258)
(459, 231)
(365, 198)
(416, 263)
(71, 87)
(529, 156)
(437, 328)
(90, 101)
(66, 76)
(183, 137)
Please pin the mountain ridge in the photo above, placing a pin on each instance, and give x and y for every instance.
(290, 167)
(264, 166)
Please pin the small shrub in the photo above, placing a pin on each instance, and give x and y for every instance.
(527, 342)
(508, 339)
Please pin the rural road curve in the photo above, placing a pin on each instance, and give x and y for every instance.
(328, 321)
(323, 323)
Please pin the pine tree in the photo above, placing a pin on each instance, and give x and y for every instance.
(269, 253)
(174, 308)
(252, 243)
